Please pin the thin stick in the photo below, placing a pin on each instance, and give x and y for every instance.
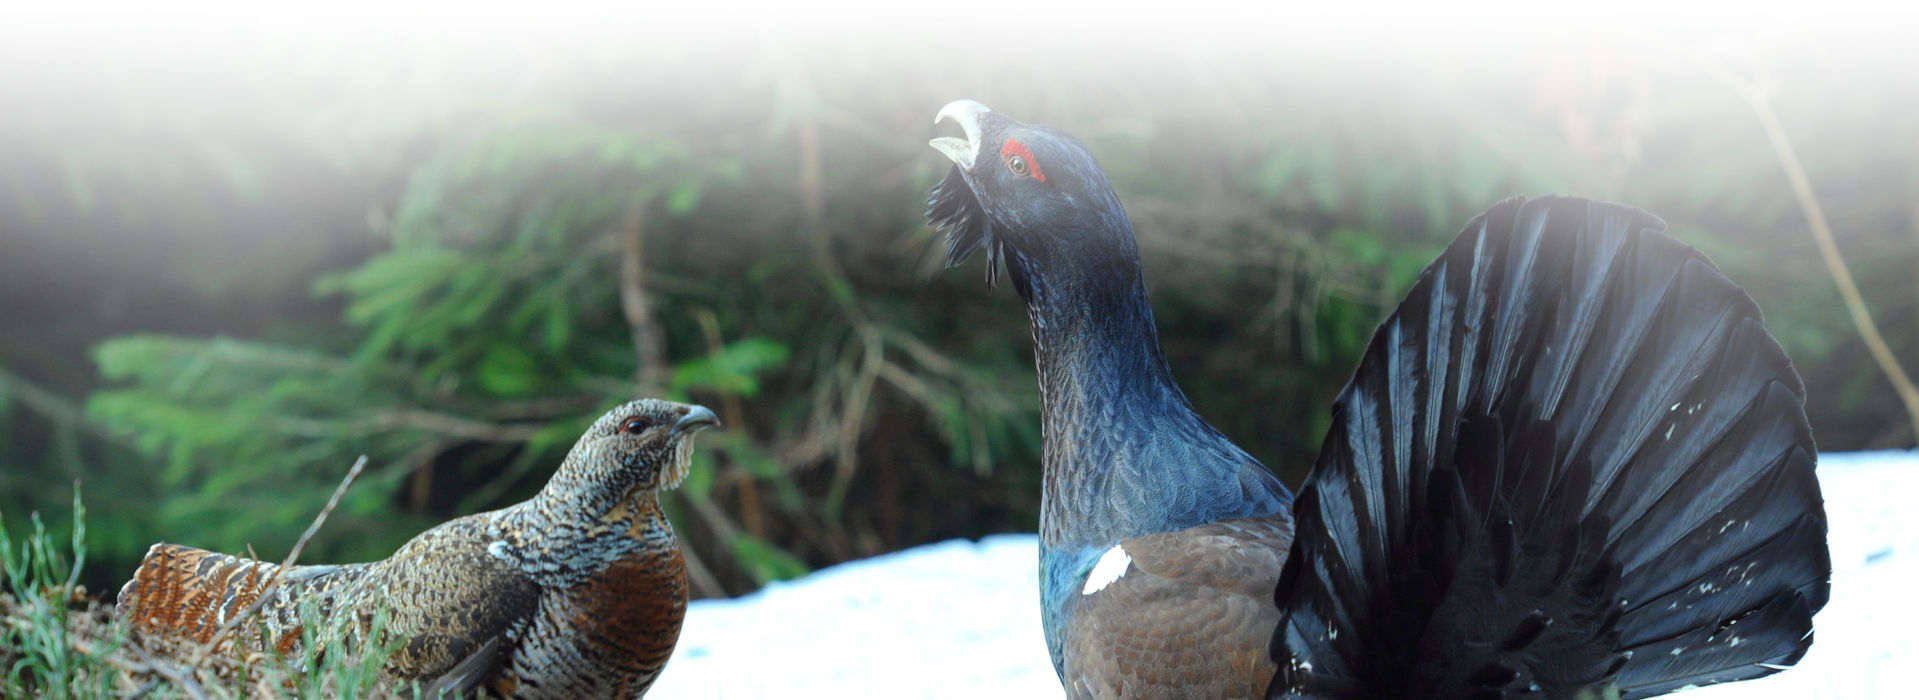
(649, 340)
(183, 679)
(266, 592)
(1822, 234)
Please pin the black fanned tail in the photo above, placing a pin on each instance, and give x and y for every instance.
(1572, 462)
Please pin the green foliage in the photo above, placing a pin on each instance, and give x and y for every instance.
(765, 562)
(731, 369)
(338, 657)
(52, 648)
(274, 409)
(38, 651)
(458, 308)
(480, 349)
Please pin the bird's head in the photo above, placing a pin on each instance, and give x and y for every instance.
(1027, 195)
(644, 444)
(603, 503)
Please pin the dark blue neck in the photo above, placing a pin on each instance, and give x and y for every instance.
(1125, 454)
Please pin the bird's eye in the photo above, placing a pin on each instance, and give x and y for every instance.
(635, 425)
(1019, 159)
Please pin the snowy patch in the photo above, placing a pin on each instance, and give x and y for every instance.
(1111, 566)
(956, 619)
(961, 619)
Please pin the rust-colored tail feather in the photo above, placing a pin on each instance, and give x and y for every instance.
(187, 593)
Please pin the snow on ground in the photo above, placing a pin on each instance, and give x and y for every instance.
(961, 619)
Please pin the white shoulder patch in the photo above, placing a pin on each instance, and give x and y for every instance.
(1111, 566)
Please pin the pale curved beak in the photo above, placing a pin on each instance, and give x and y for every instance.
(967, 114)
(696, 419)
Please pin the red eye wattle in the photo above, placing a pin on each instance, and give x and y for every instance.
(1019, 159)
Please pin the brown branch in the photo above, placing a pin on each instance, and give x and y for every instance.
(407, 419)
(542, 408)
(420, 462)
(702, 576)
(56, 408)
(750, 511)
(181, 679)
(853, 418)
(1828, 250)
(648, 342)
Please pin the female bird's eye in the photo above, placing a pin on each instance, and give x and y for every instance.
(635, 425)
(1019, 159)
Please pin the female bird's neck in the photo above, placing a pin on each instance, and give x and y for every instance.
(600, 503)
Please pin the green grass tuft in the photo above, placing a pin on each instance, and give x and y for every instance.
(56, 641)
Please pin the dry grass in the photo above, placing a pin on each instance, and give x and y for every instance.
(58, 641)
(104, 661)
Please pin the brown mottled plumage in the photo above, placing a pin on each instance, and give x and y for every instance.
(578, 592)
(1163, 623)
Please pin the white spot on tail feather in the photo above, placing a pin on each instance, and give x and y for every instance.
(1111, 566)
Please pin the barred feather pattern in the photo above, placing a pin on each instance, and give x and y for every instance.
(609, 635)
(192, 593)
(577, 592)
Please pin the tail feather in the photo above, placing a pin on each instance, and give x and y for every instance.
(184, 593)
(1571, 461)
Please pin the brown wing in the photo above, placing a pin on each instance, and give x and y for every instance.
(451, 599)
(441, 591)
(1190, 614)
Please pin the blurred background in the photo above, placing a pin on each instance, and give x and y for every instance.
(239, 248)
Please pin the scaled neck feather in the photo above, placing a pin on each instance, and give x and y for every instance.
(1125, 453)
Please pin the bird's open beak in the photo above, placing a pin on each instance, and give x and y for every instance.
(695, 420)
(967, 114)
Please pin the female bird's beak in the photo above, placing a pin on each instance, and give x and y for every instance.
(967, 114)
(697, 418)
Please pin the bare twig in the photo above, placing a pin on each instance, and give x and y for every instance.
(542, 408)
(182, 679)
(267, 591)
(56, 408)
(1822, 234)
(700, 574)
(407, 419)
(715, 517)
(420, 462)
(647, 340)
(649, 344)
(749, 490)
(853, 414)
